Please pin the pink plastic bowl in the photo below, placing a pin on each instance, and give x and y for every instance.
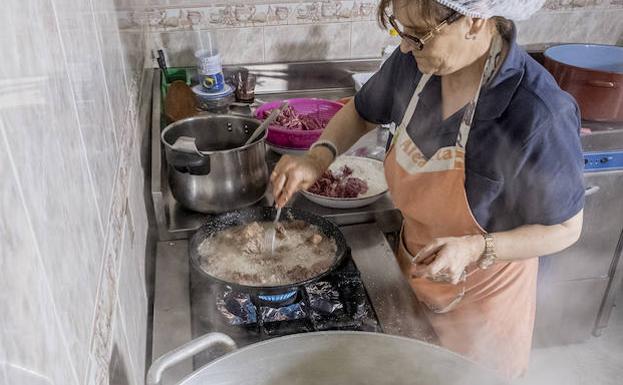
(298, 139)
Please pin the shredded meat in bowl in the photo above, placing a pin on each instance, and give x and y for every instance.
(339, 184)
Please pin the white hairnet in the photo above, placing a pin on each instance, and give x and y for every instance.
(484, 9)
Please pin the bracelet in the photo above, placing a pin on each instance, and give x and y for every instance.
(327, 144)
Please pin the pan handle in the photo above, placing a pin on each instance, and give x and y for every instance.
(602, 83)
(206, 341)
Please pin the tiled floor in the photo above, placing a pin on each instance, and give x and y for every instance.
(598, 361)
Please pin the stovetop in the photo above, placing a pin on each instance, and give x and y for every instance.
(338, 301)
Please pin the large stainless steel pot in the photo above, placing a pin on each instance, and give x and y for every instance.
(221, 173)
(337, 357)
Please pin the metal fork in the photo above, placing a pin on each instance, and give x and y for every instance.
(269, 234)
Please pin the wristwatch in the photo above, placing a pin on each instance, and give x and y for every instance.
(488, 256)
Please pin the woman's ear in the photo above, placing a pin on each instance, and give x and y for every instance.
(476, 25)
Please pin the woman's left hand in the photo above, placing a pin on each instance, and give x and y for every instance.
(445, 259)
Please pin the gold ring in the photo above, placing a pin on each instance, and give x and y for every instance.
(463, 276)
(441, 277)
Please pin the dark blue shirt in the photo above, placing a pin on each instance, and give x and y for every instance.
(524, 160)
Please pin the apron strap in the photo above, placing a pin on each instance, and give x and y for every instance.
(468, 116)
(415, 98)
(487, 75)
(409, 112)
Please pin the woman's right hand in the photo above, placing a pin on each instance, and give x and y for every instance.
(292, 174)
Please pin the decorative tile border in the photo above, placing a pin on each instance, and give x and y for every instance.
(255, 13)
(120, 218)
(567, 5)
(247, 14)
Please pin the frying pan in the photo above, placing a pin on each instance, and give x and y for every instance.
(265, 214)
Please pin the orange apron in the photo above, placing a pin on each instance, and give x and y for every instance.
(489, 317)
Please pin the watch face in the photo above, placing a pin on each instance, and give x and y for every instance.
(486, 261)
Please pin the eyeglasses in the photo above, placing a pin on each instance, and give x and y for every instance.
(418, 42)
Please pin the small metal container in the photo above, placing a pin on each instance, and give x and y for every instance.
(216, 102)
(221, 173)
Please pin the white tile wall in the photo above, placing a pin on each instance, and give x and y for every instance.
(299, 30)
(603, 26)
(113, 62)
(367, 39)
(85, 70)
(19, 375)
(31, 333)
(46, 146)
(132, 302)
(137, 213)
(120, 342)
(306, 42)
(68, 148)
(3, 375)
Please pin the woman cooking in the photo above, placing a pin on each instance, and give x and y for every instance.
(485, 166)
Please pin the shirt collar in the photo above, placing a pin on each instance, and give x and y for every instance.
(496, 96)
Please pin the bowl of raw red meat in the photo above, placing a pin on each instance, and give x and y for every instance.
(300, 124)
(350, 182)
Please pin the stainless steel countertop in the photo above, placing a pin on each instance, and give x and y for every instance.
(605, 137)
(183, 223)
(391, 296)
(307, 77)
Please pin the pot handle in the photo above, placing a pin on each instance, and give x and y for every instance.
(602, 83)
(185, 157)
(189, 349)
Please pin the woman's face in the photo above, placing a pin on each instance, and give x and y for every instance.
(446, 52)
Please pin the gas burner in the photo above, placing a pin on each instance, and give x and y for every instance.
(336, 302)
(245, 309)
(277, 300)
(333, 303)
